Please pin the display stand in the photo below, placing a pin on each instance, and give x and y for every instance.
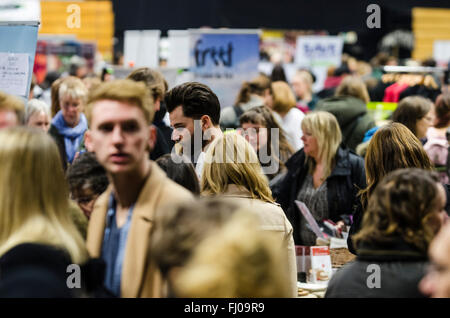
(17, 52)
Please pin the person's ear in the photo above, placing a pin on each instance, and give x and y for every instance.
(157, 104)
(88, 141)
(206, 122)
(152, 137)
(82, 105)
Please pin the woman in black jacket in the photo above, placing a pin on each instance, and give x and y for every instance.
(404, 214)
(323, 175)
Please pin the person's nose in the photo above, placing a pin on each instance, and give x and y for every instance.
(426, 285)
(117, 135)
(175, 135)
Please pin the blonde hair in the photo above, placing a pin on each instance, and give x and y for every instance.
(12, 103)
(283, 97)
(231, 160)
(34, 200)
(236, 261)
(306, 78)
(72, 87)
(181, 227)
(353, 86)
(126, 90)
(91, 83)
(325, 128)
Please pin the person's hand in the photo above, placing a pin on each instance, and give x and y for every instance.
(340, 227)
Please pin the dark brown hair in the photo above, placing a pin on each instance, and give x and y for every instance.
(402, 205)
(182, 173)
(256, 86)
(410, 110)
(442, 109)
(196, 99)
(263, 116)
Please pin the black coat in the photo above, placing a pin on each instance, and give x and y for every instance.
(401, 267)
(37, 270)
(59, 139)
(161, 146)
(346, 179)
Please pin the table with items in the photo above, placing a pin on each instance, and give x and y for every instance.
(317, 264)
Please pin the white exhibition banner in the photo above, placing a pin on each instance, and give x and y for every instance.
(179, 45)
(20, 10)
(141, 48)
(441, 52)
(318, 53)
(224, 60)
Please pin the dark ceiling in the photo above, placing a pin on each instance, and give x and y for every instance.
(331, 15)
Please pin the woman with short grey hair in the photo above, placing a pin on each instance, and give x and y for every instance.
(37, 114)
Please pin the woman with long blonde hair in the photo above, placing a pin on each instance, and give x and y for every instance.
(289, 116)
(34, 212)
(323, 175)
(232, 170)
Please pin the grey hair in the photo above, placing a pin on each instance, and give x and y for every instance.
(36, 106)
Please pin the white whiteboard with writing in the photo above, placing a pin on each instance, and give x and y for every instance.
(14, 73)
(17, 51)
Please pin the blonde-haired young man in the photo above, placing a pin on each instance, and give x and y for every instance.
(119, 114)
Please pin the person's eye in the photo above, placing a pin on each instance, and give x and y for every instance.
(105, 128)
(130, 127)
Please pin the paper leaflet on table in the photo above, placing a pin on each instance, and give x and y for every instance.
(322, 229)
(308, 216)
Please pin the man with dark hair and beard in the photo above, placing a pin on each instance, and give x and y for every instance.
(194, 112)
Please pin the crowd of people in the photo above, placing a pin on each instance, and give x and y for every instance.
(158, 192)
